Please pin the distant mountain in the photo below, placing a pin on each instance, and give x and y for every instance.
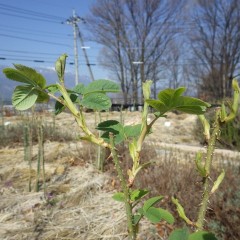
(7, 86)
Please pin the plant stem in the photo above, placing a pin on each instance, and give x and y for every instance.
(208, 164)
(100, 150)
(128, 206)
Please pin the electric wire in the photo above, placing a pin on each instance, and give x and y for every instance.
(42, 61)
(35, 19)
(32, 52)
(29, 30)
(35, 34)
(28, 12)
(34, 40)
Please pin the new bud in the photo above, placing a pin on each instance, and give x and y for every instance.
(60, 67)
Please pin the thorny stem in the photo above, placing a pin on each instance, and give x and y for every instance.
(144, 131)
(208, 163)
(128, 206)
(78, 115)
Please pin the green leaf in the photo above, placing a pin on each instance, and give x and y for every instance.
(114, 127)
(59, 107)
(166, 96)
(181, 211)
(25, 75)
(110, 125)
(132, 131)
(179, 234)
(119, 196)
(138, 194)
(60, 66)
(191, 105)
(166, 215)
(118, 136)
(171, 99)
(206, 126)
(79, 89)
(24, 97)
(137, 218)
(147, 89)
(202, 235)
(133, 149)
(200, 167)
(178, 92)
(96, 101)
(32, 74)
(151, 201)
(102, 86)
(53, 88)
(158, 105)
(155, 215)
(42, 97)
(218, 182)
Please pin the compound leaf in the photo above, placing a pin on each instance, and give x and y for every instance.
(171, 99)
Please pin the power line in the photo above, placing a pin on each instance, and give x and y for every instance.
(35, 19)
(39, 61)
(27, 52)
(34, 40)
(28, 12)
(35, 33)
(30, 30)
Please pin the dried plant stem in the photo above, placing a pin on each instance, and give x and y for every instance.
(27, 141)
(38, 159)
(208, 164)
(41, 145)
(128, 206)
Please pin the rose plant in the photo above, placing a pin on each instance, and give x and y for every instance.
(34, 89)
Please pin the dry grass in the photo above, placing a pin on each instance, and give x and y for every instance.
(79, 202)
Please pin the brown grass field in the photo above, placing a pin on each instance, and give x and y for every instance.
(78, 203)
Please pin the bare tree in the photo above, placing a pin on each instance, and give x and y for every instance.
(216, 44)
(134, 32)
(174, 64)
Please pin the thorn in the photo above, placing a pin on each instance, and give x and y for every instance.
(109, 157)
(210, 179)
(211, 209)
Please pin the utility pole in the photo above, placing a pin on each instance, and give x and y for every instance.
(85, 53)
(76, 33)
(73, 21)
